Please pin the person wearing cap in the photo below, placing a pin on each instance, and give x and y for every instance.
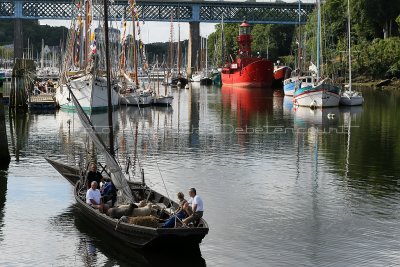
(196, 211)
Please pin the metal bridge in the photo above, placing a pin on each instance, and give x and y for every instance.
(271, 12)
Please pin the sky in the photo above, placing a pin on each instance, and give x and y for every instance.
(150, 31)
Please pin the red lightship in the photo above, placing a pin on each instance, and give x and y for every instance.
(247, 71)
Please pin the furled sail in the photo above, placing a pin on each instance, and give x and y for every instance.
(116, 173)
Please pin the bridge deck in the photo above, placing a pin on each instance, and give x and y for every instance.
(157, 10)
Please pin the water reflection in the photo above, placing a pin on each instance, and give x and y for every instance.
(313, 194)
(3, 193)
(95, 247)
(248, 104)
(287, 105)
(19, 132)
(366, 158)
(324, 119)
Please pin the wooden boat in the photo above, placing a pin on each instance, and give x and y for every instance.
(280, 74)
(319, 92)
(72, 174)
(131, 234)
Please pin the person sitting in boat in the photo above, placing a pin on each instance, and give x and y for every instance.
(93, 198)
(93, 175)
(179, 214)
(109, 192)
(196, 211)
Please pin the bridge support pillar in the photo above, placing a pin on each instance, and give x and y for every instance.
(18, 39)
(194, 45)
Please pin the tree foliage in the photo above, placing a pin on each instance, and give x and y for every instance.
(52, 36)
(372, 56)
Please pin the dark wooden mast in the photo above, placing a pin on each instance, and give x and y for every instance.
(110, 107)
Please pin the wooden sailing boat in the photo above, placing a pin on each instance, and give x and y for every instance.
(85, 76)
(175, 78)
(206, 80)
(135, 235)
(350, 97)
(131, 93)
(161, 99)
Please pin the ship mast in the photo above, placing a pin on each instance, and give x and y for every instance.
(110, 107)
(88, 21)
(134, 44)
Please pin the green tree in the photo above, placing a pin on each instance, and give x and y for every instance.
(272, 41)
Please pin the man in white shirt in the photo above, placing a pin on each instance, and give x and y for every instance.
(196, 211)
(93, 198)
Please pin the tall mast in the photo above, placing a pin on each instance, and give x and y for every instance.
(206, 57)
(222, 40)
(300, 41)
(87, 31)
(110, 107)
(318, 37)
(349, 40)
(171, 46)
(179, 49)
(134, 45)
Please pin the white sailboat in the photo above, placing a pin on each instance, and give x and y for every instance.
(321, 92)
(293, 81)
(131, 94)
(88, 83)
(206, 80)
(350, 97)
(159, 99)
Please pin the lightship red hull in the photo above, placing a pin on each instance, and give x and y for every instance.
(248, 72)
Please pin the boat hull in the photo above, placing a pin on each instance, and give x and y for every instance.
(205, 81)
(279, 76)
(288, 87)
(320, 96)
(163, 100)
(349, 98)
(90, 91)
(216, 78)
(258, 73)
(130, 234)
(136, 99)
(196, 78)
(281, 72)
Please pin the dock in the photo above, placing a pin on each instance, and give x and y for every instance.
(42, 102)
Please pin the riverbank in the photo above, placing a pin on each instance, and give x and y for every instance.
(393, 83)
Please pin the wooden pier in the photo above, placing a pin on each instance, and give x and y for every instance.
(42, 102)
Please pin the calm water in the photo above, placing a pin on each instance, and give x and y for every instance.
(281, 186)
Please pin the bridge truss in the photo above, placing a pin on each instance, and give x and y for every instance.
(158, 10)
